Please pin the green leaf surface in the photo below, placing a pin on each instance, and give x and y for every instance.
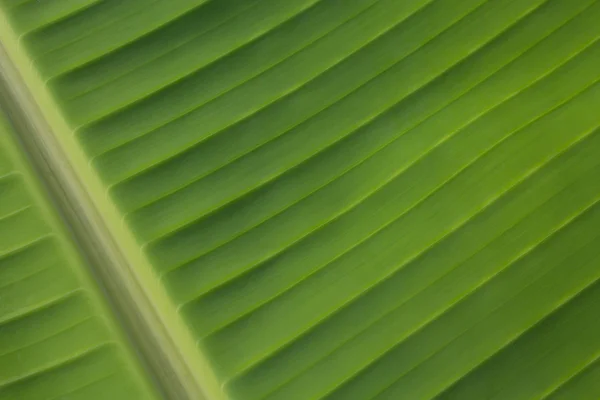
(57, 338)
(339, 199)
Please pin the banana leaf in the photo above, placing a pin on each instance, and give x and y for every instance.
(300, 199)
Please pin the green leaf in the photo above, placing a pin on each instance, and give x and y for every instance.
(325, 199)
(57, 337)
